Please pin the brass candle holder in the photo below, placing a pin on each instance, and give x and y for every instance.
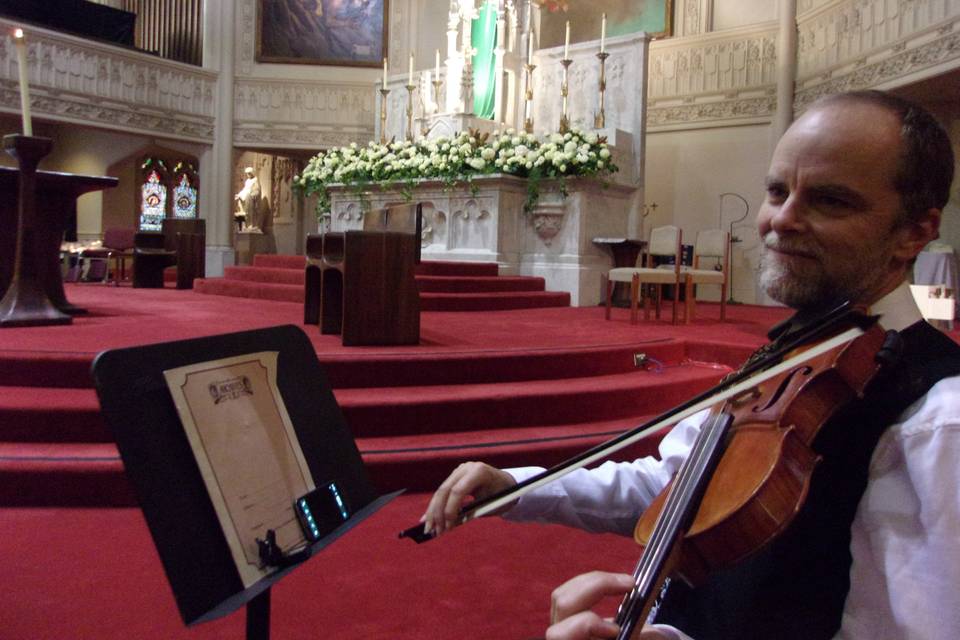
(383, 115)
(564, 91)
(599, 119)
(436, 92)
(410, 89)
(528, 98)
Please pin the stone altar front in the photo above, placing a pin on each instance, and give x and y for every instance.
(485, 222)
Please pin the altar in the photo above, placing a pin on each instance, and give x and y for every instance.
(485, 221)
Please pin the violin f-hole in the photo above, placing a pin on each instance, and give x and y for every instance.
(805, 370)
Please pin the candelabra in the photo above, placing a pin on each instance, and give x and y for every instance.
(410, 90)
(528, 98)
(383, 115)
(564, 91)
(599, 120)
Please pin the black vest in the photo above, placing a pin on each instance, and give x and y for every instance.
(796, 586)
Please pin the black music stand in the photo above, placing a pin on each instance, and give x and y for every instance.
(160, 463)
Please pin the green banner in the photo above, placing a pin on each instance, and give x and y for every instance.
(484, 41)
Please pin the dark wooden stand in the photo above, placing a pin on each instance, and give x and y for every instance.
(39, 205)
(625, 252)
(25, 303)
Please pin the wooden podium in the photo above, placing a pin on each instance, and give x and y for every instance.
(33, 295)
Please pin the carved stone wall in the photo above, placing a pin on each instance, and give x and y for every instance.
(860, 44)
(79, 81)
(302, 115)
(728, 77)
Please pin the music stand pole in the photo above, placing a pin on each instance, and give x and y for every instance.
(258, 616)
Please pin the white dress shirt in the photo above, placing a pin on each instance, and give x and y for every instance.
(905, 577)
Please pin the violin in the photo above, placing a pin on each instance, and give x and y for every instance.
(831, 331)
(747, 474)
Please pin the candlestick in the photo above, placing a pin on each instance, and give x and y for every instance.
(410, 89)
(599, 120)
(384, 73)
(21, 43)
(528, 98)
(383, 114)
(566, 43)
(564, 86)
(603, 32)
(410, 71)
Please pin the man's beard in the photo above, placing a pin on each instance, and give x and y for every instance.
(812, 283)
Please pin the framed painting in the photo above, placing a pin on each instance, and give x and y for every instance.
(328, 32)
(652, 16)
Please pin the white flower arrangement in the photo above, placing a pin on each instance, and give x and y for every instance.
(457, 160)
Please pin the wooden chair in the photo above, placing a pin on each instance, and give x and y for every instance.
(665, 242)
(111, 257)
(712, 244)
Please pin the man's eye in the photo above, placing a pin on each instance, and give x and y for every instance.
(776, 194)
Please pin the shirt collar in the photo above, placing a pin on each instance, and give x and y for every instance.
(897, 309)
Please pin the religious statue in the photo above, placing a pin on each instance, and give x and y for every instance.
(248, 201)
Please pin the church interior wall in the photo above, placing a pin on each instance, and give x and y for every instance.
(687, 171)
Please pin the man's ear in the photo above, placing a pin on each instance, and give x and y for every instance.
(916, 234)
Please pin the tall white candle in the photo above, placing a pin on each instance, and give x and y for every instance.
(384, 73)
(566, 43)
(603, 32)
(410, 72)
(21, 43)
(436, 70)
(530, 47)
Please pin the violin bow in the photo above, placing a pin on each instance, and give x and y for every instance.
(769, 364)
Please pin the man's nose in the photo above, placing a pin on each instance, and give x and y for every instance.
(789, 216)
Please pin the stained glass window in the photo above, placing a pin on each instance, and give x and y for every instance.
(153, 206)
(185, 199)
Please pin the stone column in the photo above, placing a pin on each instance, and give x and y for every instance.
(216, 164)
(786, 69)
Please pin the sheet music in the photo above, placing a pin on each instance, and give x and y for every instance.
(246, 449)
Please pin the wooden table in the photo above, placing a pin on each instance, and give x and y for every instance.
(56, 207)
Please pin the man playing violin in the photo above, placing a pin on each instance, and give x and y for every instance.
(854, 192)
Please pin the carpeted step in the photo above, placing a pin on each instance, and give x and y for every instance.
(451, 268)
(63, 474)
(478, 284)
(92, 474)
(494, 301)
(243, 289)
(37, 414)
(265, 274)
(49, 414)
(45, 369)
(476, 367)
(279, 261)
(438, 409)
(422, 462)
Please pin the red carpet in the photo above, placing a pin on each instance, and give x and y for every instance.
(444, 286)
(512, 387)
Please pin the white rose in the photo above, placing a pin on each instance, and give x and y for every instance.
(604, 153)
